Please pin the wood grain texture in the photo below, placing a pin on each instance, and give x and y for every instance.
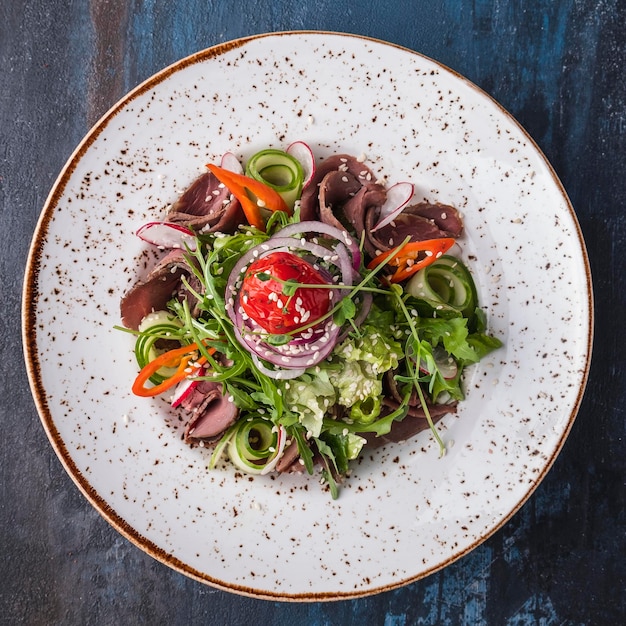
(558, 67)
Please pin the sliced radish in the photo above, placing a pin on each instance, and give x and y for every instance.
(231, 163)
(167, 235)
(397, 197)
(301, 152)
(280, 447)
(446, 365)
(184, 388)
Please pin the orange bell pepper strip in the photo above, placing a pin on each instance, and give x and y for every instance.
(179, 358)
(406, 259)
(243, 187)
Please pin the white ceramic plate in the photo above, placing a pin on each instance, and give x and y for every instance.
(404, 513)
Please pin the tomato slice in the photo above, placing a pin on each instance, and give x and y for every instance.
(266, 299)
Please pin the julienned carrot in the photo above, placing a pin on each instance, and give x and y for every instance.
(242, 187)
(406, 259)
(179, 358)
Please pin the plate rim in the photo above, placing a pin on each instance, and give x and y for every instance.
(33, 367)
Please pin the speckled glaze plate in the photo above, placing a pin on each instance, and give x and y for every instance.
(404, 513)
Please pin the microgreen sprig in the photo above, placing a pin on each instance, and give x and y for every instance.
(414, 348)
(345, 307)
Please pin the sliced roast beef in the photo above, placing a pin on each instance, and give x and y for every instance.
(211, 412)
(157, 289)
(290, 459)
(344, 193)
(341, 192)
(419, 222)
(207, 206)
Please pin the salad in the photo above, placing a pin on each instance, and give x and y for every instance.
(304, 311)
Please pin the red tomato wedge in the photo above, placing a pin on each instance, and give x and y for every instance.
(264, 300)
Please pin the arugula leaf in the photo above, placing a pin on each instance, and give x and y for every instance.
(242, 399)
(328, 457)
(452, 333)
(483, 344)
(270, 395)
(306, 454)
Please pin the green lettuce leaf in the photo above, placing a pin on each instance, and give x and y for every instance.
(375, 345)
(309, 396)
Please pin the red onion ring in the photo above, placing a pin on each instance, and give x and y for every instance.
(315, 344)
(317, 227)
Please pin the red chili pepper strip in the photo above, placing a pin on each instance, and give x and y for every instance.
(240, 186)
(179, 358)
(406, 259)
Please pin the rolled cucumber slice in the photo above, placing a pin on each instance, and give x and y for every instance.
(156, 327)
(445, 288)
(279, 171)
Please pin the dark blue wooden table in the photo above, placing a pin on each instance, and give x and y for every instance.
(559, 68)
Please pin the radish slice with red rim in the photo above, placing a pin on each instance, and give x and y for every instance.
(398, 196)
(304, 155)
(231, 163)
(184, 388)
(167, 235)
(280, 448)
